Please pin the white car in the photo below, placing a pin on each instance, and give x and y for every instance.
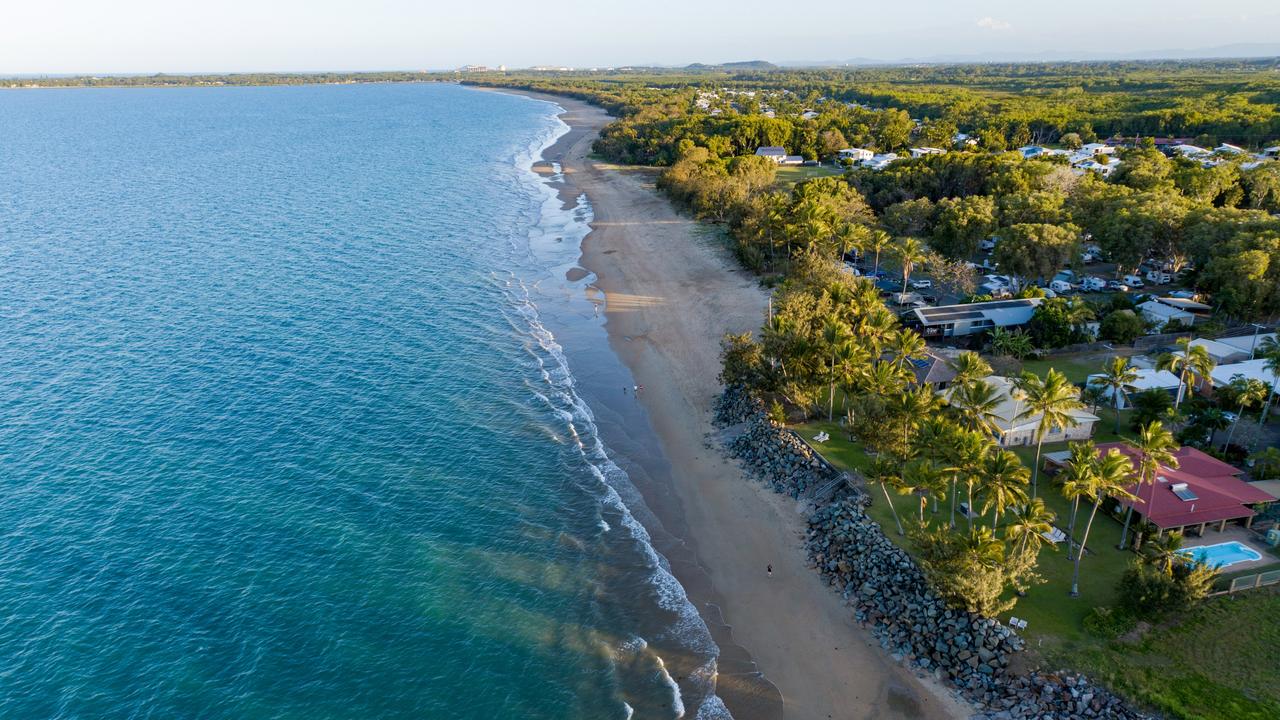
(921, 284)
(1093, 284)
(1133, 281)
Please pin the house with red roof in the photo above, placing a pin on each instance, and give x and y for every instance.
(1201, 492)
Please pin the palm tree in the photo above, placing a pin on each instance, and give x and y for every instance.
(1030, 523)
(849, 357)
(969, 366)
(920, 477)
(878, 241)
(1110, 478)
(1165, 553)
(1117, 375)
(1003, 487)
(977, 403)
(884, 472)
(913, 404)
(910, 251)
(1193, 362)
(906, 345)
(1269, 350)
(964, 455)
(1155, 447)
(834, 334)
(1247, 392)
(1053, 399)
(1078, 480)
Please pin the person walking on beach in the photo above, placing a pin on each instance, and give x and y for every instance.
(769, 570)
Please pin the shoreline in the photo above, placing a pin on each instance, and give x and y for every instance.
(788, 643)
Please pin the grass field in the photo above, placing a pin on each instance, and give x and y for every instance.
(789, 175)
(1217, 663)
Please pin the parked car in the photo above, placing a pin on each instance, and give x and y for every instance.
(1117, 286)
(1159, 277)
(922, 284)
(1133, 281)
(852, 269)
(1185, 294)
(1093, 284)
(987, 245)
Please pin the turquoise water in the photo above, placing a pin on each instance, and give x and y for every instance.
(1222, 554)
(281, 432)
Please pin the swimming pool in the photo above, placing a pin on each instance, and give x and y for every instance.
(1222, 554)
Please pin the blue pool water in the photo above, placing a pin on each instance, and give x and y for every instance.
(282, 432)
(1222, 554)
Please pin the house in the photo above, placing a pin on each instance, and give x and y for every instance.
(1016, 429)
(1201, 492)
(1092, 165)
(880, 162)
(1226, 149)
(1147, 379)
(792, 160)
(774, 153)
(1096, 148)
(1252, 369)
(856, 154)
(1247, 343)
(1222, 354)
(964, 139)
(1164, 310)
(933, 370)
(809, 115)
(1271, 152)
(973, 318)
(1189, 151)
(1032, 151)
(922, 151)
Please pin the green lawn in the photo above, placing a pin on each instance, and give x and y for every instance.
(1217, 663)
(1077, 369)
(789, 175)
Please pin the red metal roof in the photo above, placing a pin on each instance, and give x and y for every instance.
(1220, 495)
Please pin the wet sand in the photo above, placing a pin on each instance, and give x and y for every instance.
(789, 646)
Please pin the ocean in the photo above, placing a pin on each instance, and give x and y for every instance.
(284, 431)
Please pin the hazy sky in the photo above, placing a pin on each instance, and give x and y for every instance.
(103, 36)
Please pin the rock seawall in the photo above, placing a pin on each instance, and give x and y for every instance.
(889, 593)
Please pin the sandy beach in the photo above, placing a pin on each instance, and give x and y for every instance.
(671, 291)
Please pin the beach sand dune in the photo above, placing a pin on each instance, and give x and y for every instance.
(672, 291)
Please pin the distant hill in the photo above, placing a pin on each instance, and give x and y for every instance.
(746, 65)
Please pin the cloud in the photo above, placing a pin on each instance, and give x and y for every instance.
(991, 23)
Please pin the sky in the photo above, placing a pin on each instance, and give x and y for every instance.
(176, 36)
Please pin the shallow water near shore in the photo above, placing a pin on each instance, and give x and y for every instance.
(283, 431)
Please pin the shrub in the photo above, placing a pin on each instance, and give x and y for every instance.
(1105, 622)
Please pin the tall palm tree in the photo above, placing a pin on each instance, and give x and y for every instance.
(849, 358)
(879, 240)
(1028, 526)
(920, 477)
(1053, 399)
(1247, 392)
(1191, 363)
(1155, 446)
(964, 455)
(1078, 480)
(969, 366)
(1006, 477)
(1117, 375)
(1110, 478)
(977, 403)
(834, 334)
(910, 252)
(913, 404)
(884, 472)
(1269, 351)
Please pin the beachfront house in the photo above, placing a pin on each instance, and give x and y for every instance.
(1164, 310)
(917, 152)
(1248, 344)
(972, 318)
(933, 370)
(1015, 428)
(1222, 353)
(1201, 493)
(774, 153)
(1251, 369)
(879, 162)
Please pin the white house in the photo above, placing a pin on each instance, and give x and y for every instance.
(1221, 353)
(1229, 149)
(1190, 151)
(793, 160)
(1096, 148)
(774, 153)
(1247, 344)
(809, 115)
(974, 318)
(922, 151)
(1016, 430)
(1253, 369)
(964, 139)
(1092, 165)
(880, 162)
(1032, 151)
(1148, 379)
(1166, 309)
(856, 154)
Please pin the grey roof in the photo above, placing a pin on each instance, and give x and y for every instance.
(771, 151)
(975, 311)
(932, 369)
